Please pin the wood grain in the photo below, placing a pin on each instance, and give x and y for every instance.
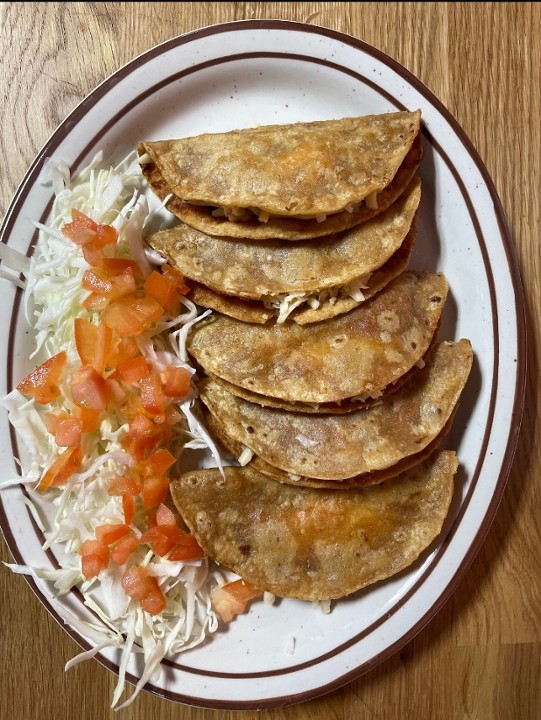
(480, 656)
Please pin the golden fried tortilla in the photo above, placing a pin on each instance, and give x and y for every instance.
(337, 447)
(236, 450)
(266, 269)
(313, 544)
(286, 181)
(356, 354)
(331, 303)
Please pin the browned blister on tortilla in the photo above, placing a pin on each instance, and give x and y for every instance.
(359, 353)
(312, 544)
(310, 179)
(338, 447)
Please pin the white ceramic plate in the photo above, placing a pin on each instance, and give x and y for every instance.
(236, 75)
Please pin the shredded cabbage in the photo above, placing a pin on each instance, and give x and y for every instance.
(285, 303)
(52, 300)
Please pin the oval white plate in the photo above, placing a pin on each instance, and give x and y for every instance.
(241, 74)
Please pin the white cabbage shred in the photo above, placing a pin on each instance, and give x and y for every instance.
(52, 299)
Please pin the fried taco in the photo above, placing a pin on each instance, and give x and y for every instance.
(355, 356)
(291, 182)
(311, 544)
(308, 280)
(338, 447)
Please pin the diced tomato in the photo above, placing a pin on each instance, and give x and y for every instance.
(151, 517)
(51, 419)
(115, 266)
(62, 468)
(43, 381)
(109, 533)
(128, 508)
(158, 463)
(106, 235)
(95, 302)
(231, 599)
(165, 516)
(132, 314)
(187, 551)
(112, 287)
(152, 397)
(143, 435)
(172, 415)
(176, 382)
(124, 485)
(93, 343)
(94, 558)
(154, 603)
(155, 489)
(132, 370)
(89, 418)
(158, 540)
(122, 549)
(88, 389)
(161, 288)
(66, 429)
(93, 253)
(176, 278)
(140, 585)
(81, 229)
(68, 432)
(122, 284)
(123, 349)
(115, 391)
(97, 281)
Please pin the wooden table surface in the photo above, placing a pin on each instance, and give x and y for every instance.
(480, 656)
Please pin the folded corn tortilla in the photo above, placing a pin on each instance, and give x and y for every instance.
(292, 182)
(338, 447)
(355, 355)
(308, 280)
(312, 544)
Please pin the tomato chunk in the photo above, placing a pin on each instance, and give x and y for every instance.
(176, 278)
(187, 551)
(124, 485)
(81, 230)
(231, 599)
(176, 382)
(62, 468)
(110, 533)
(93, 343)
(68, 432)
(122, 549)
(152, 396)
(88, 389)
(140, 585)
(158, 540)
(42, 382)
(90, 419)
(94, 558)
(128, 508)
(143, 435)
(158, 463)
(163, 290)
(132, 315)
(123, 349)
(165, 516)
(132, 370)
(115, 266)
(155, 489)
